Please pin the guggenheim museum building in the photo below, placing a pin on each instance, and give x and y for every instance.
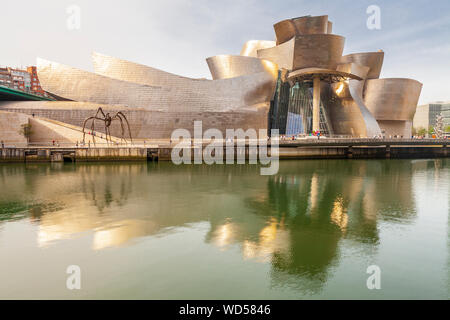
(299, 83)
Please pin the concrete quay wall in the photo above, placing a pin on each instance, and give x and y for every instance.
(72, 154)
(163, 153)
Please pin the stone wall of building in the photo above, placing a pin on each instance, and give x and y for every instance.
(144, 124)
(10, 125)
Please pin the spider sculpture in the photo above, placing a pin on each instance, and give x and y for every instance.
(107, 120)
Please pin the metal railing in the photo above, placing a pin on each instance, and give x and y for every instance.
(283, 142)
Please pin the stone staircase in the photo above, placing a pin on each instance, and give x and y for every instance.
(47, 130)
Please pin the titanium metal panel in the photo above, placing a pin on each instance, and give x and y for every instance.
(245, 90)
(289, 28)
(251, 47)
(318, 51)
(284, 30)
(393, 98)
(228, 66)
(373, 60)
(307, 51)
(311, 25)
(349, 115)
(282, 55)
(183, 95)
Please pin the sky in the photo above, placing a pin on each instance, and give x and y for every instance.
(178, 35)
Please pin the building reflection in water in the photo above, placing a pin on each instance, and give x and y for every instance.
(294, 220)
(309, 207)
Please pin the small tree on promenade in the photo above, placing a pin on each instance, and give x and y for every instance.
(25, 130)
(422, 132)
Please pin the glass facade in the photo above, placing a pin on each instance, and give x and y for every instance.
(292, 109)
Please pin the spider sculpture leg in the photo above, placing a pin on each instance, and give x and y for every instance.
(93, 130)
(92, 126)
(106, 133)
(84, 127)
(128, 125)
(100, 110)
(118, 117)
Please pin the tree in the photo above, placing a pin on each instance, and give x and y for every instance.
(422, 132)
(25, 130)
(447, 129)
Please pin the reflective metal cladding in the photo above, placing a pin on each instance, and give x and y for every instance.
(251, 47)
(228, 66)
(252, 90)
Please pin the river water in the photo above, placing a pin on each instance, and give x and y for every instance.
(160, 231)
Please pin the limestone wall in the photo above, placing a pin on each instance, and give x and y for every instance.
(144, 124)
(10, 125)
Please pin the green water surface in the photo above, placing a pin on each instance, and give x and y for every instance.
(160, 231)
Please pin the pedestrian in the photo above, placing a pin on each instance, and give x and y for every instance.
(3, 144)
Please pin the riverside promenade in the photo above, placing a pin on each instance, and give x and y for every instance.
(288, 149)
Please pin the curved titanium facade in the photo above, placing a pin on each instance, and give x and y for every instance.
(393, 103)
(392, 99)
(373, 60)
(318, 51)
(245, 90)
(330, 27)
(239, 94)
(289, 28)
(350, 116)
(355, 69)
(345, 115)
(228, 66)
(307, 51)
(250, 48)
(282, 55)
(372, 127)
(311, 25)
(284, 31)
